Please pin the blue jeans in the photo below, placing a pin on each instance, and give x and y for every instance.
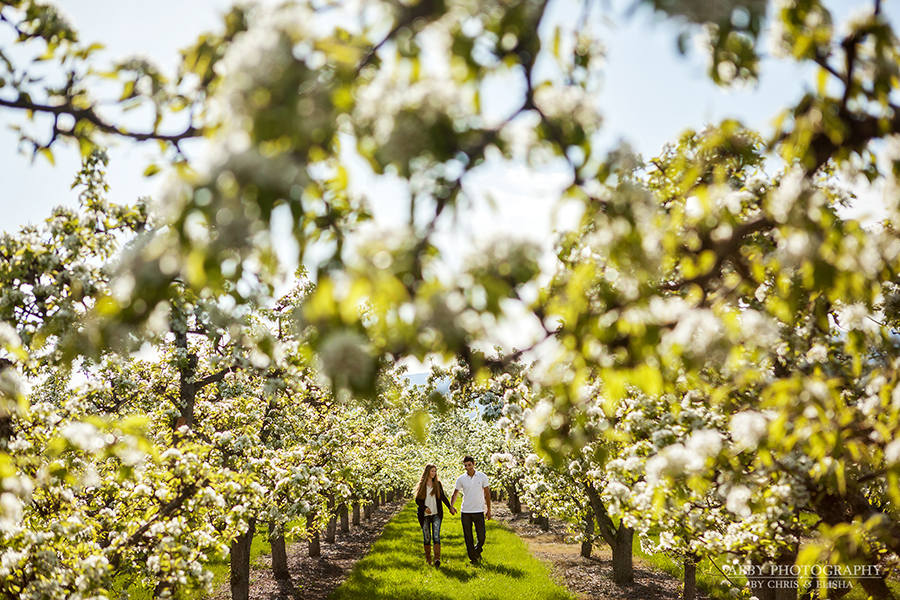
(431, 530)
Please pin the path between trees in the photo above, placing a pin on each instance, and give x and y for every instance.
(318, 578)
(589, 578)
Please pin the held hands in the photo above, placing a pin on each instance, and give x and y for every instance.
(452, 511)
(427, 511)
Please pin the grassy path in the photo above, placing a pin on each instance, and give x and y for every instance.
(395, 567)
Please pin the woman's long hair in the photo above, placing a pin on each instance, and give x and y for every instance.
(422, 488)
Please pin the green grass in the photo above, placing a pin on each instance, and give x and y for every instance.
(130, 588)
(395, 567)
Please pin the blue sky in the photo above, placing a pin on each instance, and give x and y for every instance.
(650, 94)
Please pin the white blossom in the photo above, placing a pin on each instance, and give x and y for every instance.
(858, 317)
(782, 198)
(539, 417)
(738, 501)
(747, 428)
(818, 353)
(618, 491)
(697, 330)
(759, 328)
(84, 436)
(9, 560)
(704, 442)
(892, 452)
(11, 511)
(672, 461)
(9, 338)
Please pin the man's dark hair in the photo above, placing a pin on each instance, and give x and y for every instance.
(468, 459)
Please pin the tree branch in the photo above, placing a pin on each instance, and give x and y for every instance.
(607, 528)
(168, 509)
(726, 250)
(214, 378)
(88, 114)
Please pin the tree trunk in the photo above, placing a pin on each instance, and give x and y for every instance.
(375, 501)
(315, 548)
(383, 501)
(690, 578)
(187, 388)
(588, 543)
(279, 552)
(7, 429)
(876, 589)
(356, 514)
(331, 528)
(345, 518)
(240, 563)
(619, 538)
(493, 495)
(768, 582)
(514, 504)
(390, 496)
(544, 522)
(788, 559)
(623, 568)
(367, 509)
(759, 580)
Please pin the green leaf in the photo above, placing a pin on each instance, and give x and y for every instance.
(48, 154)
(86, 146)
(418, 424)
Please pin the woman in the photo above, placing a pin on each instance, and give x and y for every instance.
(429, 496)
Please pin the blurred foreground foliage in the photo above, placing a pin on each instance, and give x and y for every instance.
(718, 352)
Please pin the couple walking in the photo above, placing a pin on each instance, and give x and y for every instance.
(476, 506)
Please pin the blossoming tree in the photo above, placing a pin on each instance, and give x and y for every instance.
(157, 465)
(690, 273)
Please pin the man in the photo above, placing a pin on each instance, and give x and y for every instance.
(476, 497)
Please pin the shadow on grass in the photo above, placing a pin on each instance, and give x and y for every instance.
(503, 570)
(458, 573)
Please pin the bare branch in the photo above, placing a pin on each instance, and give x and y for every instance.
(89, 115)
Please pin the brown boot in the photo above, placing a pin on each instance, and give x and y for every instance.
(437, 555)
(428, 553)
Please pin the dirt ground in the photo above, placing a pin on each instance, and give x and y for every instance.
(316, 578)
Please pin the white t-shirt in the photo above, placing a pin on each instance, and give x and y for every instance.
(431, 502)
(473, 491)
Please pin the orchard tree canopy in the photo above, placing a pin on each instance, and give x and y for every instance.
(717, 289)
